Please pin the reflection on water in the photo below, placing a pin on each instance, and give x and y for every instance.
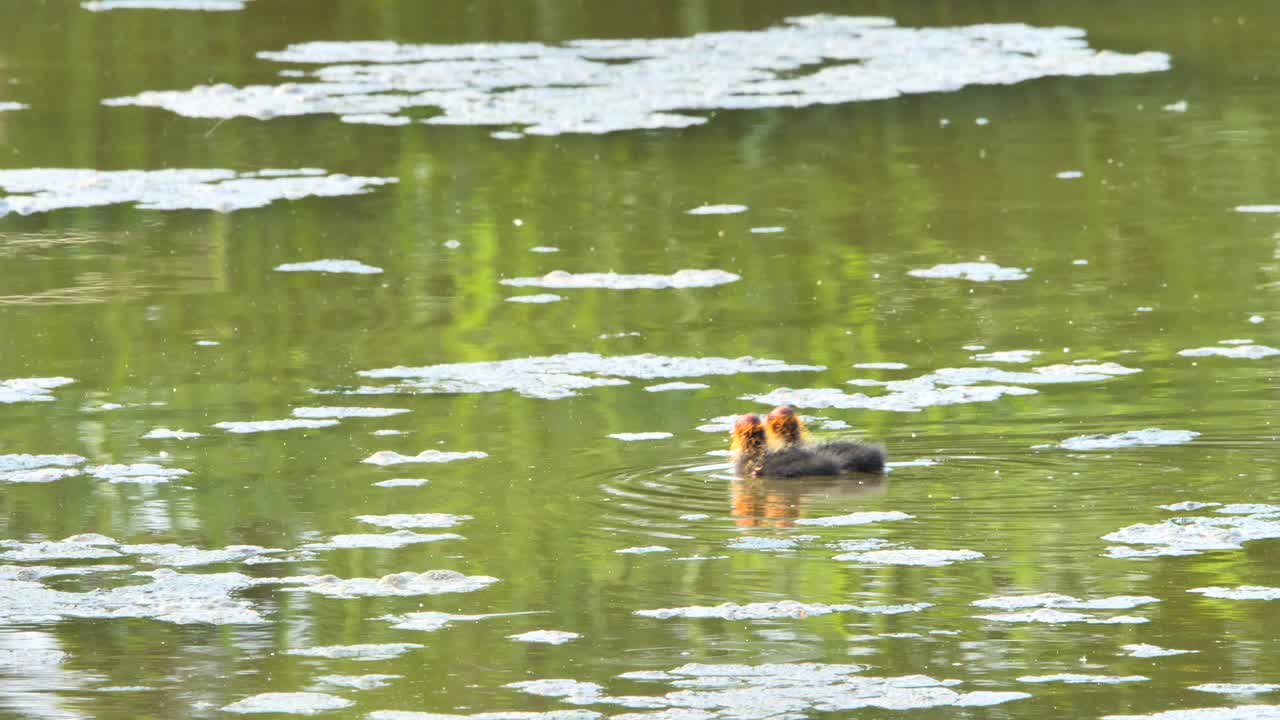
(1048, 288)
(768, 502)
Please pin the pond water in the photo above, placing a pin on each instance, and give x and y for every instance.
(377, 360)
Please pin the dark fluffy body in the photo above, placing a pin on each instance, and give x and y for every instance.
(853, 456)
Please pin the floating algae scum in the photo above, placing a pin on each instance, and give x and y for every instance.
(377, 360)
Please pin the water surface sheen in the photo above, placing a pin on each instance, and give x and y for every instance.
(344, 403)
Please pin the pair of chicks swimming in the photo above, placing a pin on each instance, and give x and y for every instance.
(778, 447)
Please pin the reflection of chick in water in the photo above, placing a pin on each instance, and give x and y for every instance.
(777, 502)
(784, 431)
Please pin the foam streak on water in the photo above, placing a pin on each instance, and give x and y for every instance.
(598, 86)
(560, 376)
(37, 190)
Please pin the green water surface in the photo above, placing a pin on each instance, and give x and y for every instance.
(117, 297)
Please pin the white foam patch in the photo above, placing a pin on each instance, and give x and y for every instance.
(1248, 352)
(389, 457)
(598, 86)
(94, 546)
(387, 541)
(508, 715)
(38, 475)
(857, 518)
(1236, 688)
(544, 249)
(433, 621)
(169, 597)
(667, 387)
(861, 545)
(373, 118)
(778, 609)
(401, 521)
(1049, 616)
(30, 389)
(138, 473)
(1249, 509)
(1054, 600)
(559, 688)
(946, 386)
(918, 462)
(167, 434)
(645, 550)
(38, 190)
(289, 703)
(1244, 712)
(538, 299)
(354, 267)
(201, 5)
(1188, 505)
(881, 366)
(402, 482)
(1069, 175)
(926, 558)
(24, 461)
(1142, 650)
(1081, 679)
(88, 546)
(1258, 208)
(717, 210)
(1184, 535)
(680, 279)
(8, 106)
(638, 436)
(972, 271)
(431, 582)
(363, 652)
(769, 544)
(1132, 438)
(257, 426)
(560, 376)
(548, 637)
(372, 681)
(1007, 356)
(346, 412)
(174, 555)
(1243, 592)
(758, 692)
(768, 229)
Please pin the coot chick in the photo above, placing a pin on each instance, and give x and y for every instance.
(784, 430)
(752, 457)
